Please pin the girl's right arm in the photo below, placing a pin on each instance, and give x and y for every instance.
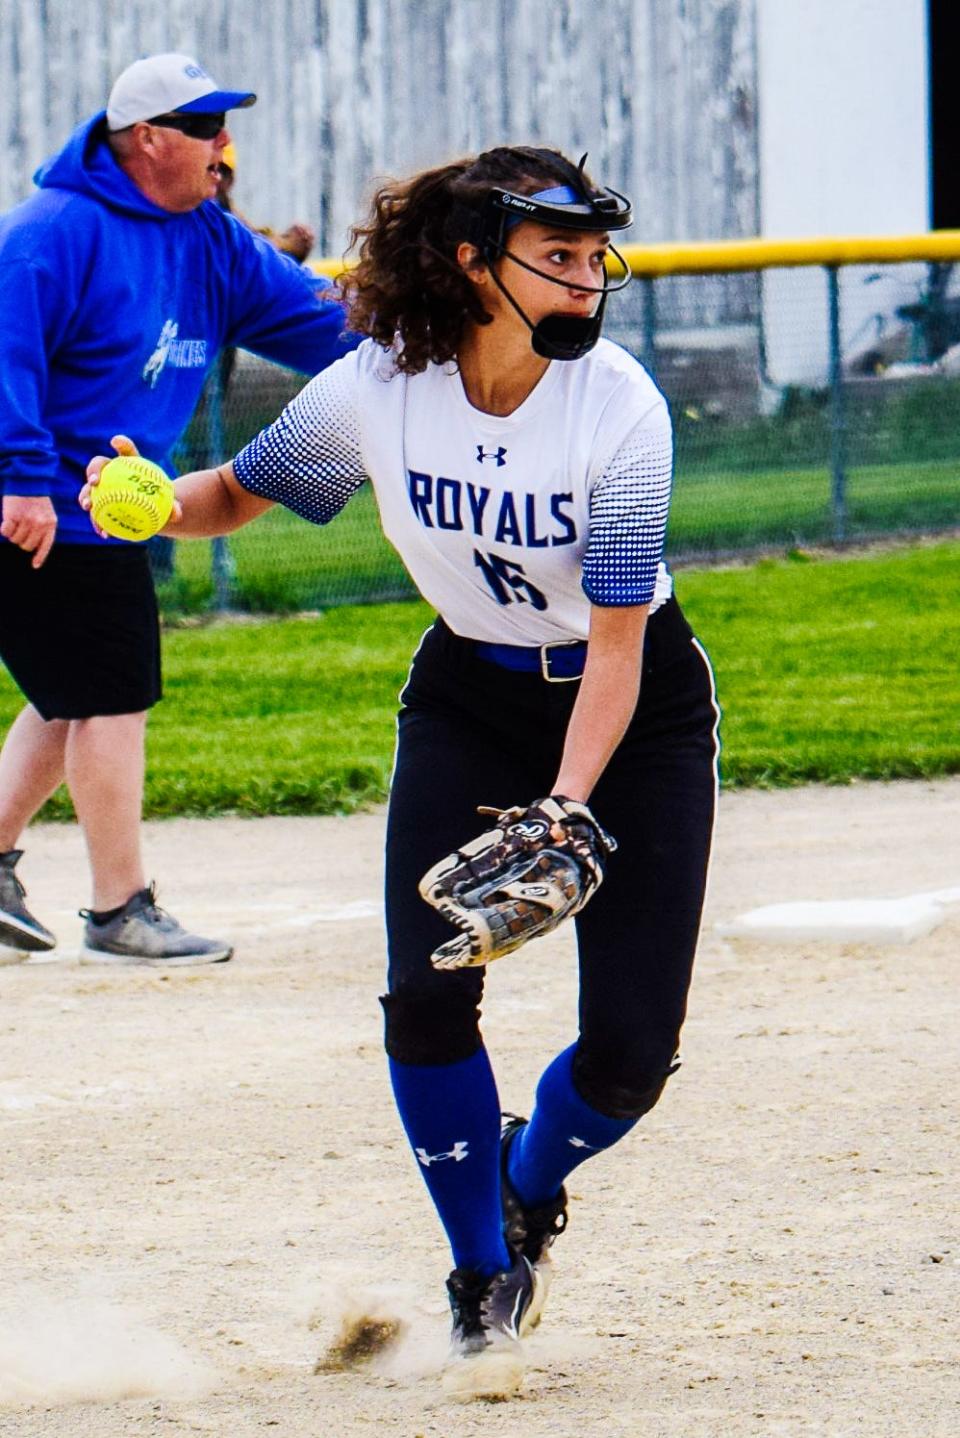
(207, 503)
(308, 460)
(212, 502)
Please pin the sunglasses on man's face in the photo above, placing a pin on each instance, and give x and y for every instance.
(198, 127)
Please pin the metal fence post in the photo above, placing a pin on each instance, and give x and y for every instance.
(838, 447)
(222, 568)
(648, 355)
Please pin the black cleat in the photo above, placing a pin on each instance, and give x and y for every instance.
(490, 1316)
(529, 1232)
(18, 928)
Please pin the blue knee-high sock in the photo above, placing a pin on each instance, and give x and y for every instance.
(451, 1113)
(563, 1131)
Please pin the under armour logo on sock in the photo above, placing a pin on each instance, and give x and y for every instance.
(582, 1143)
(457, 1153)
(499, 455)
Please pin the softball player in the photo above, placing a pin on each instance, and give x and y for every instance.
(522, 468)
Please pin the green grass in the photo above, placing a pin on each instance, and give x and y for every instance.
(835, 669)
(717, 511)
(899, 423)
(828, 669)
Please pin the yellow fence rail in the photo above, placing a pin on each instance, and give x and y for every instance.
(711, 257)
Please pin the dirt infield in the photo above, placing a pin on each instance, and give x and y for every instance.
(202, 1170)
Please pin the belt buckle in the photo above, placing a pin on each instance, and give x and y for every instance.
(545, 662)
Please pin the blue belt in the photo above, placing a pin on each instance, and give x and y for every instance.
(553, 662)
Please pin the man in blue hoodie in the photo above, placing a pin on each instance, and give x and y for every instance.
(120, 281)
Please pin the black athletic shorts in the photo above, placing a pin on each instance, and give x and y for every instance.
(81, 635)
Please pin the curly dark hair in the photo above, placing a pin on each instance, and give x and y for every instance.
(408, 283)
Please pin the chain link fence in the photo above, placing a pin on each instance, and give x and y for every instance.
(812, 405)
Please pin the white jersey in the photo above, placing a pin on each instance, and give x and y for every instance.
(510, 526)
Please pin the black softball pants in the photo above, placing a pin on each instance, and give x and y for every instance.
(471, 732)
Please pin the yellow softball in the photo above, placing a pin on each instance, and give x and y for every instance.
(133, 499)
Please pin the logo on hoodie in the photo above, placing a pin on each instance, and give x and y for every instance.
(181, 354)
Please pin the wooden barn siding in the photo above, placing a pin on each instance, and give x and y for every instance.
(660, 92)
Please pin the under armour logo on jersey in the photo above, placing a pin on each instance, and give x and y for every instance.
(457, 1153)
(498, 455)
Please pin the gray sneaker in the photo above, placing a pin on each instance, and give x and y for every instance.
(143, 933)
(18, 928)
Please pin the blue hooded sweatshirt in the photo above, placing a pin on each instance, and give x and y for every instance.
(112, 312)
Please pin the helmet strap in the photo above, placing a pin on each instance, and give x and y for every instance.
(557, 336)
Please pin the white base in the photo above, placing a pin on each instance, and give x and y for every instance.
(866, 921)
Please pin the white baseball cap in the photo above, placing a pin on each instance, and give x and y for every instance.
(161, 84)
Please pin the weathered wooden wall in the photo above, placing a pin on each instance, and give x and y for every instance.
(660, 92)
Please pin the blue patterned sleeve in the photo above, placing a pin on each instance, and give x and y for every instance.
(628, 516)
(309, 459)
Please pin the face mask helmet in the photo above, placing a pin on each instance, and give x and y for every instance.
(563, 207)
